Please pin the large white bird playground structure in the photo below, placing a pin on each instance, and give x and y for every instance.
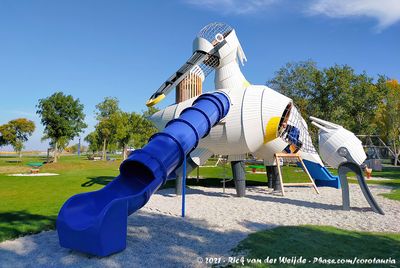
(235, 119)
(261, 121)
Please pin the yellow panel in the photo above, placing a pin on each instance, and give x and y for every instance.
(153, 102)
(246, 83)
(271, 130)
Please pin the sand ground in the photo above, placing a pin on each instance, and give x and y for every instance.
(214, 224)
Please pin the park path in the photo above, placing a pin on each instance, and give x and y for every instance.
(215, 223)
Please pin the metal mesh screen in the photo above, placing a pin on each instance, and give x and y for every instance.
(209, 65)
(296, 131)
(210, 31)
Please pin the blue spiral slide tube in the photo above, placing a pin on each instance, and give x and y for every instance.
(96, 222)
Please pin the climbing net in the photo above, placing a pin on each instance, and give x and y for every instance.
(293, 118)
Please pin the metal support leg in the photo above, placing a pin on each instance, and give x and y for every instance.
(239, 176)
(178, 185)
(269, 170)
(276, 181)
(347, 167)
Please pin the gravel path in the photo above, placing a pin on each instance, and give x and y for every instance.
(215, 223)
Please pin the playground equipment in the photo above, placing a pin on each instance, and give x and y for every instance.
(260, 117)
(236, 119)
(341, 149)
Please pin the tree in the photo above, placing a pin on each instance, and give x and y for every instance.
(388, 116)
(108, 107)
(2, 140)
(335, 94)
(127, 126)
(146, 129)
(106, 128)
(63, 119)
(74, 148)
(150, 111)
(298, 81)
(94, 142)
(119, 129)
(132, 129)
(16, 133)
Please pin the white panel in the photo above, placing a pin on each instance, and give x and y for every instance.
(273, 104)
(233, 124)
(230, 76)
(231, 45)
(200, 155)
(251, 118)
(157, 119)
(226, 71)
(202, 44)
(226, 137)
(334, 138)
(169, 113)
(161, 118)
(312, 157)
(267, 151)
(183, 105)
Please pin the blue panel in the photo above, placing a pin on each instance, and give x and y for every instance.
(321, 175)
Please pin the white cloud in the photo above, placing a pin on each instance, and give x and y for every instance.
(237, 7)
(386, 12)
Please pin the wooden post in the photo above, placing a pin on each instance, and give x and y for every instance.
(299, 159)
(306, 170)
(280, 174)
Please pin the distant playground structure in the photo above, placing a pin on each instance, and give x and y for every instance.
(235, 119)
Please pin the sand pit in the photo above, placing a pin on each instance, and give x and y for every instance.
(215, 223)
(33, 174)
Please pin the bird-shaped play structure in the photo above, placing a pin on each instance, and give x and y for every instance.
(234, 119)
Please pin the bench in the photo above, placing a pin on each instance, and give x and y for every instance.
(14, 161)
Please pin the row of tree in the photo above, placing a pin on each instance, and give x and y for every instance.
(118, 129)
(63, 119)
(340, 95)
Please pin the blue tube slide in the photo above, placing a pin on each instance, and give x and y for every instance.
(321, 175)
(96, 222)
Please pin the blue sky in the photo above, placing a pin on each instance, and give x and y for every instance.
(93, 49)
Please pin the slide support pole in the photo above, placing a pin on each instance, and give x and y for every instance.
(184, 186)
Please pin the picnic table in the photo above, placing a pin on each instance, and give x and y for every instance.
(35, 166)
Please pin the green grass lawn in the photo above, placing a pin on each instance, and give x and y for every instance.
(213, 177)
(318, 241)
(31, 204)
(392, 176)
